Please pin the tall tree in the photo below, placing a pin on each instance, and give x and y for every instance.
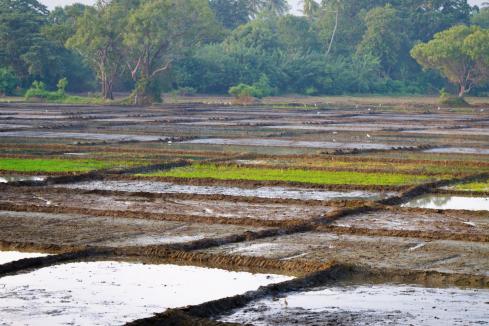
(278, 7)
(98, 39)
(481, 18)
(231, 13)
(310, 7)
(22, 46)
(159, 32)
(384, 38)
(460, 53)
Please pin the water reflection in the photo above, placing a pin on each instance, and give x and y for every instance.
(450, 202)
(14, 178)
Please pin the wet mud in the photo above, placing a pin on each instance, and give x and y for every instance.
(354, 245)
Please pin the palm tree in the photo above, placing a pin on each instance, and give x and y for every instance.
(310, 7)
(278, 7)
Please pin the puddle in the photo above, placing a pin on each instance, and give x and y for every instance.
(10, 256)
(288, 143)
(84, 136)
(370, 305)
(14, 178)
(450, 202)
(458, 150)
(261, 192)
(113, 293)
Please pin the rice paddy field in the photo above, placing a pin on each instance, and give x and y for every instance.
(295, 211)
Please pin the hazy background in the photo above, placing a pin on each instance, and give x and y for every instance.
(295, 4)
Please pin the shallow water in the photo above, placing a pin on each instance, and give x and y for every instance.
(84, 136)
(458, 150)
(450, 202)
(113, 293)
(288, 143)
(15, 178)
(261, 192)
(370, 305)
(10, 256)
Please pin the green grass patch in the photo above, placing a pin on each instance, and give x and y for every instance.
(59, 165)
(473, 186)
(229, 172)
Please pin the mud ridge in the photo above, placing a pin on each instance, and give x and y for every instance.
(426, 235)
(162, 250)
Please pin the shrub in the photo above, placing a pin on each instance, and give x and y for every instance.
(38, 90)
(451, 100)
(260, 89)
(8, 82)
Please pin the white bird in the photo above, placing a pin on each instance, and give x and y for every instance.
(368, 136)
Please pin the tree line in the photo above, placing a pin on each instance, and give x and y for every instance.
(255, 46)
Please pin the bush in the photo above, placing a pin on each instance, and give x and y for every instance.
(451, 100)
(260, 89)
(38, 90)
(8, 82)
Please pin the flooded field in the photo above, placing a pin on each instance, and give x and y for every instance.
(261, 192)
(17, 178)
(275, 213)
(11, 256)
(369, 305)
(450, 202)
(113, 293)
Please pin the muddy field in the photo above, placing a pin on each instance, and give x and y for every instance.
(308, 214)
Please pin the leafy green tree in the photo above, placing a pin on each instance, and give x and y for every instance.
(22, 46)
(98, 39)
(61, 25)
(481, 18)
(310, 7)
(231, 13)
(384, 37)
(159, 32)
(428, 17)
(8, 82)
(278, 7)
(460, 53)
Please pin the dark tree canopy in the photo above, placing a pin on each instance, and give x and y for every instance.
(151, 46)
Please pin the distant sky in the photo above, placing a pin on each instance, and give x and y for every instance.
(295, 4)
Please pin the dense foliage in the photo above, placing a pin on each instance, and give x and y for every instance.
(248, 47)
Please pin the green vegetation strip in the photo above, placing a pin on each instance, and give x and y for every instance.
(473, 186)
(58, 165)
(227, 172)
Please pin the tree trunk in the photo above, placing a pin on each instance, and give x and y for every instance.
(462, 91)
(107, 89)
(141, 94)
(334, 32)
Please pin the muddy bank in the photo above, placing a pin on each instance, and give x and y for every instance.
(374, 251)
(84, 230)
(124, 205)
(415, 224)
